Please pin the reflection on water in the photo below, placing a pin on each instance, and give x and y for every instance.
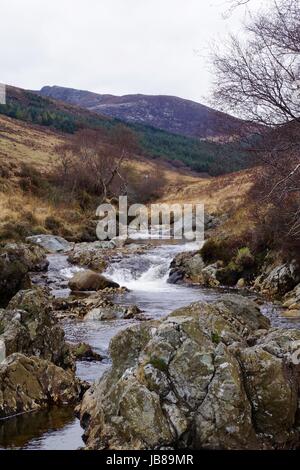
(55, 428)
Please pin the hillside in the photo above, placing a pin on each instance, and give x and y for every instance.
(31, 203)
(28, 154)
(201, 156)
(170, 113)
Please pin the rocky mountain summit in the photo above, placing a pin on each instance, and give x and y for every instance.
(170, 113)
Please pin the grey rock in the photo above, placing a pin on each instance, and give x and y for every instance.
(29, 384)
(278, 280)
(192, 380)
(29, 327)
(51, 243)
(16, 261)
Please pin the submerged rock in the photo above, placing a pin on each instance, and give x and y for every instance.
(51, 243)
(90, 281)
(84, 352)
(209, 376)
(97, 306)
(16, 261)
(30, 383)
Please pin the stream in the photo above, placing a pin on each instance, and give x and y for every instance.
(145, 275)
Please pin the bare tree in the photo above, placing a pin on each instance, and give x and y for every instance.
(87, 164)
(259, 79)
(233, 5)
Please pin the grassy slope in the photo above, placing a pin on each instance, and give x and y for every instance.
(23, 143)
(220, 195)
(198, 155)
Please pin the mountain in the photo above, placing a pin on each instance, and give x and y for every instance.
(170, 113)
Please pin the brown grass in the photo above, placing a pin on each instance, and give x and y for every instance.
(34, 145)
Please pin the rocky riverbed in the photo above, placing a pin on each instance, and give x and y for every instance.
(187, 373)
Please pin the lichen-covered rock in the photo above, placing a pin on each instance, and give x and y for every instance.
(30, 383)
(92, 255)
(189, 267)
(291, 303)
(29, 326)
(16, 261)
(186, 266)
(277, 281)
(211, 376)
(90, 281)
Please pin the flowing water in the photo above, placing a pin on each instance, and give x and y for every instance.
(146, 276)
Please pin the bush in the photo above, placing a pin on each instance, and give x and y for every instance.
(15, 231)
(53, 224)
(29, 217)
(244, 258)
(229, 275)
(214, 250)
(74, 217)
(39, 230)
(31, 180)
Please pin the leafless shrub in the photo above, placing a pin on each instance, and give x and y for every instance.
(259, 79)
(86, 166)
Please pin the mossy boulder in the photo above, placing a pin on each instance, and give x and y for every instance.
(84, 352)
(16, 261)
(209, 376)
(29, 326)
(29, 384)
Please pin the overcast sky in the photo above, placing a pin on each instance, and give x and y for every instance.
(114, 46)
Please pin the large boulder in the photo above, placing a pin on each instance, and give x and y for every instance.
(16, 261)
(30, 383)
(90, 281)
(29, 326)
(51, 243)
(210, 376)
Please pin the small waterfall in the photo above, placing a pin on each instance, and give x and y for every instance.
(149, 271)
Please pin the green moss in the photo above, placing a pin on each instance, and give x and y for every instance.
(229, 275)
(244, 258)
(53, 224)
(215, 250)
(81, 350)
(158, 363)
(215, 337)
